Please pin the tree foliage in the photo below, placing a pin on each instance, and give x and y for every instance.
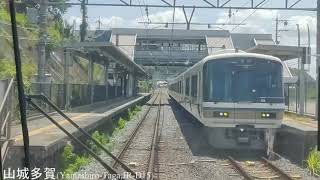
(59, 4)
(7, 70)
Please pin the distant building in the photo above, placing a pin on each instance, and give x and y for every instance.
(163, 51)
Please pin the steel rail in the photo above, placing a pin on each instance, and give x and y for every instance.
(283, 174)
(133, 134)
(149, 172)
(240, 169)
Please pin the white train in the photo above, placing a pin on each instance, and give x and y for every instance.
(238, 97)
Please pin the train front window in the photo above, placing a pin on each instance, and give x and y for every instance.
(243, 80)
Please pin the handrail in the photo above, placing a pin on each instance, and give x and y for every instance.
(6, 95)
(45, 99)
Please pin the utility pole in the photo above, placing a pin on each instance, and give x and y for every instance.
(318, 64)
(285, 23)
(301, 76)
(84, 25)
(42, 42)
(99, 23)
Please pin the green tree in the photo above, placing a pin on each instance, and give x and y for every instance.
(7, 70)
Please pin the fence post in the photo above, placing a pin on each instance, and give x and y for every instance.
(67, 59)
(106, 77)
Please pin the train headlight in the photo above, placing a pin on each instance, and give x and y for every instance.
(268, 115)
(220, 114)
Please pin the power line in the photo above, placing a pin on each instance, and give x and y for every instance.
(228, 20)
(173, 20)
(249, 15)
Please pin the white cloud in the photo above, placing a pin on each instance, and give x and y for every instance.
(256, 21)
(106, 22)
(162, 17)
(263, 21)
(73, 19)
(111, 22)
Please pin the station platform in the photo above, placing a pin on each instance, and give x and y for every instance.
(297, 136)
(46, 140)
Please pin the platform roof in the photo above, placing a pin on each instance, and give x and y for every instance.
(280, 51)
(104, 52)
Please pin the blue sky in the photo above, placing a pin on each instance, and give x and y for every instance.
(262, 21)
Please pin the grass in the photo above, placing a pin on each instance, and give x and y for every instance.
(121, 123)
(313, 161)
(102, 138)
(72, 162)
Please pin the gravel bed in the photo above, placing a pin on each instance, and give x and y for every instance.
(183, 153)
(294, 169)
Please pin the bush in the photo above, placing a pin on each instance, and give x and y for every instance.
(137, 108)
(102, 138)
(8, 70)
(313, 161)
(68, 156)
(72, 162)
(121, 123)
(4, 15)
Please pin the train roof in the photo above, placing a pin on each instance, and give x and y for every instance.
(240, 54)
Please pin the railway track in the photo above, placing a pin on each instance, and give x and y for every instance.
(143, 163)
(263, 169)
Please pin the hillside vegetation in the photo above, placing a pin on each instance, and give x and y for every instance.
(28, 41)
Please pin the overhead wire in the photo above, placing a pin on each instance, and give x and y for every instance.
(172, 27)
(249, 16)
(228, 20)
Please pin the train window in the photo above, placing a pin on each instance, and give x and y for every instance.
(243, 80)
(194, 86)
(187, 90)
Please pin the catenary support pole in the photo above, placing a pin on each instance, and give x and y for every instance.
(21, 95)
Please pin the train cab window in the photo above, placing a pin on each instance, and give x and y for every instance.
(194, 86)
(187, 90)
(243, 80)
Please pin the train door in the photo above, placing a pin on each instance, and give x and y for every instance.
(194, 94)
(243, 92)
(198, 98)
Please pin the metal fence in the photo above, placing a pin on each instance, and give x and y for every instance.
(292, 99)
(80, 94)
(6, 115)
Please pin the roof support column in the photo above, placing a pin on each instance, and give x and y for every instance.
(129, 82)
(90, 75)
(106, 77)
(67, 62)
(301, 77)
(116, 79)
(123, 84)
